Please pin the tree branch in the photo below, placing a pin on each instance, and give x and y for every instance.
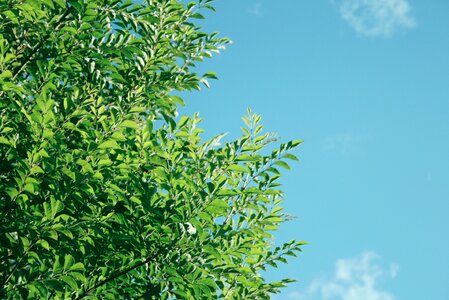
(17, 264)
(115, 276)
(40, 44)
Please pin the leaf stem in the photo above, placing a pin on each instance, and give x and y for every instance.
(115, 276)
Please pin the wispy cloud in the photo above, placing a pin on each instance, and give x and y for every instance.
(256, 9)
(354, 278)
(429, 177)
(394, 269)
(375, 18)
(342, 143)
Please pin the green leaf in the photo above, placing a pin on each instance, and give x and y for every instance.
(238, 168)
(56, 206)
(70, 282)
(4, 141)
(219, 203)
(136, 200)
(68, 261)
(205, 216)
(44, 244)
(129, 124)
(69, 29)
(6, 74)
(118, 136)
(227, 192)
(138, 109)
(181, 293)
(247, 157)
(211, 250)
(175, 279)
(109, 144)
(57, 267)
(66, 232)
(12, 192)
(77, 267)
(291, 156)
(212, 75)
(272, 192)
(47, 210)
(209, 282)
(197, 16)
(25, 242)
(117, 77)
(51, 234)
(182, 122)
(177, 100)
(61, 3)
(252, 190)
(29, 187)
(36, 170)
(283, 164)
(296, 143)
(104, 162)
(149, 125)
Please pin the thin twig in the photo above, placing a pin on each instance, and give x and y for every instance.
(40, 44)
(115, 276)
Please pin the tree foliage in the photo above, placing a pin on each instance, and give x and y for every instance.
(104, 192)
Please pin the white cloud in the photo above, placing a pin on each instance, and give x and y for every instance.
(354, 278)
(394, 269)
(256, 10)
(377, 17)
(342, 143)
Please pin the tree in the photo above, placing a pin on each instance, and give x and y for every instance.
(104, 191)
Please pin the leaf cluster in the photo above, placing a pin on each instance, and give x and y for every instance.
(104, 193)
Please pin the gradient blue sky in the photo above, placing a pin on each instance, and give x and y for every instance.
(365, 83)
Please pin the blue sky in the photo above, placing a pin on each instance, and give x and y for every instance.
(365, 83)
